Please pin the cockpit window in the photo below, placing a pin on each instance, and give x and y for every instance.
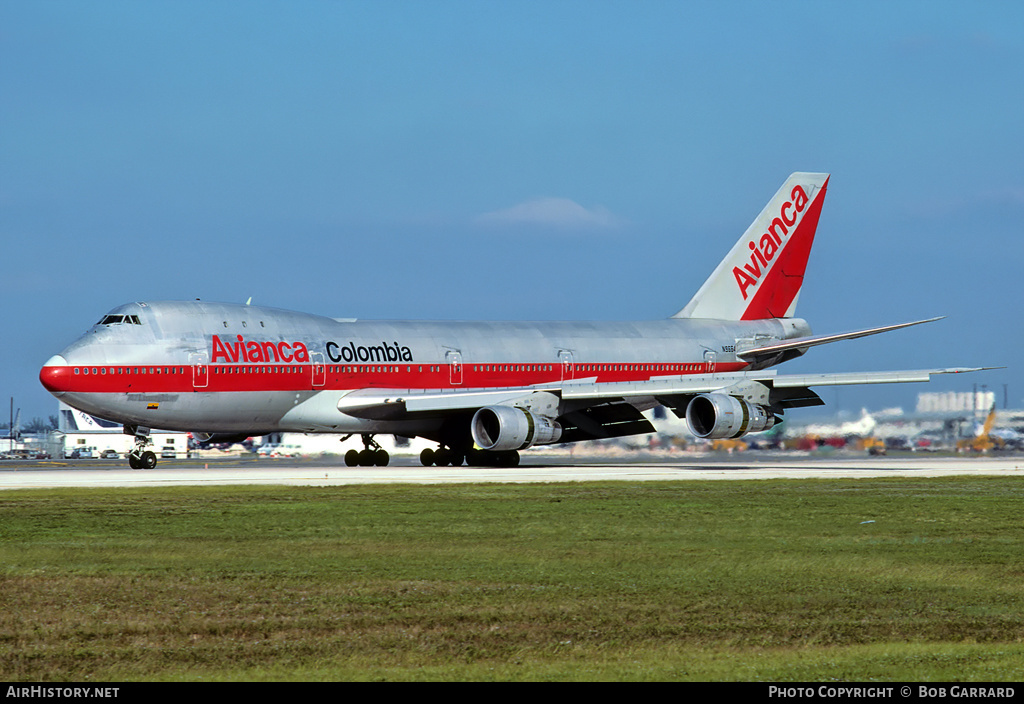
(120, 319)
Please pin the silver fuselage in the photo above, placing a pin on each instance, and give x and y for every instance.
(226, 368)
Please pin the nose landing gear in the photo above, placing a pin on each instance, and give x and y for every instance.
(139, 457)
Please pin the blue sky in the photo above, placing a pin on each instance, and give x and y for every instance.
(513, 160)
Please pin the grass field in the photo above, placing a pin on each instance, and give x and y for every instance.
(764, 580)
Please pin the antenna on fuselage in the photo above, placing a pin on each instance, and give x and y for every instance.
(249, 301)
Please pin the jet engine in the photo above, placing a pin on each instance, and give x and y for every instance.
(716, 416)
(501, 428)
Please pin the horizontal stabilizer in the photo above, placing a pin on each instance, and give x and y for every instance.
(802, 343)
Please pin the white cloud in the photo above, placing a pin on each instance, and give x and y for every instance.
(552, 212)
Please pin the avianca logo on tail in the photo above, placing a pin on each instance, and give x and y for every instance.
(762, 252)
(253, 352)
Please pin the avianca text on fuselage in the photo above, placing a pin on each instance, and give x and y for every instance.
(763, 251)
(252, 352)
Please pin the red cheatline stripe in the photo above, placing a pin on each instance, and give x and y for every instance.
(243, 377)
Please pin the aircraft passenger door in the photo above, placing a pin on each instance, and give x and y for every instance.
(709, 361)
(200, 369)
(319, 369)
(565, 357)
(454, 366)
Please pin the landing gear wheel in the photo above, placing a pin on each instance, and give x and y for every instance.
(443, 457)
(139, 458)
(381, 458)
(352, 458)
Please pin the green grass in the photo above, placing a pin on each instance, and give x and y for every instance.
(762, 580)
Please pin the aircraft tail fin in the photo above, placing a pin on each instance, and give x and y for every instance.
(763, 272)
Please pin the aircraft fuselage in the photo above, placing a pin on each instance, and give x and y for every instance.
(226, 368)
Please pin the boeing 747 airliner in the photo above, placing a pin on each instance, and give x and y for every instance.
(482, 390)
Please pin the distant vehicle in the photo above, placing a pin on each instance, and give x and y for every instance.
(168, 452)
(874, 446)
(275, 450)
(108, 454)
(267, 450)
(926, 442)
(82, 453)
(24, 455)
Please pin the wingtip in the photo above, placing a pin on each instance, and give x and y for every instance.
(965, 370)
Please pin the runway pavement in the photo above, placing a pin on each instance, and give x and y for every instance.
(332, 471)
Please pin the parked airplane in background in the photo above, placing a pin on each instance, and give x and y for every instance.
(481, 390)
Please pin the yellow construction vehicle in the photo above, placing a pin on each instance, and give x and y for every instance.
(873, 445)
(984, 441)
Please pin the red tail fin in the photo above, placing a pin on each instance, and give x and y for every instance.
(762, 274)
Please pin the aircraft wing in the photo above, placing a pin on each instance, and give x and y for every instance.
(789, 389)
(401, 404)
(704, 383)
(776, 391)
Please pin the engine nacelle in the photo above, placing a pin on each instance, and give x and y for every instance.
(716, 416)
(501, 428)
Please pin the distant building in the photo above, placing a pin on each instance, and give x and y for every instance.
(958, 402)
(88, 436)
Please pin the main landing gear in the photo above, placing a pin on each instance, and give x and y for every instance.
(446, 456)
(372, 454)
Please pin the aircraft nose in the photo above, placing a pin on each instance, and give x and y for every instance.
(56, 375)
